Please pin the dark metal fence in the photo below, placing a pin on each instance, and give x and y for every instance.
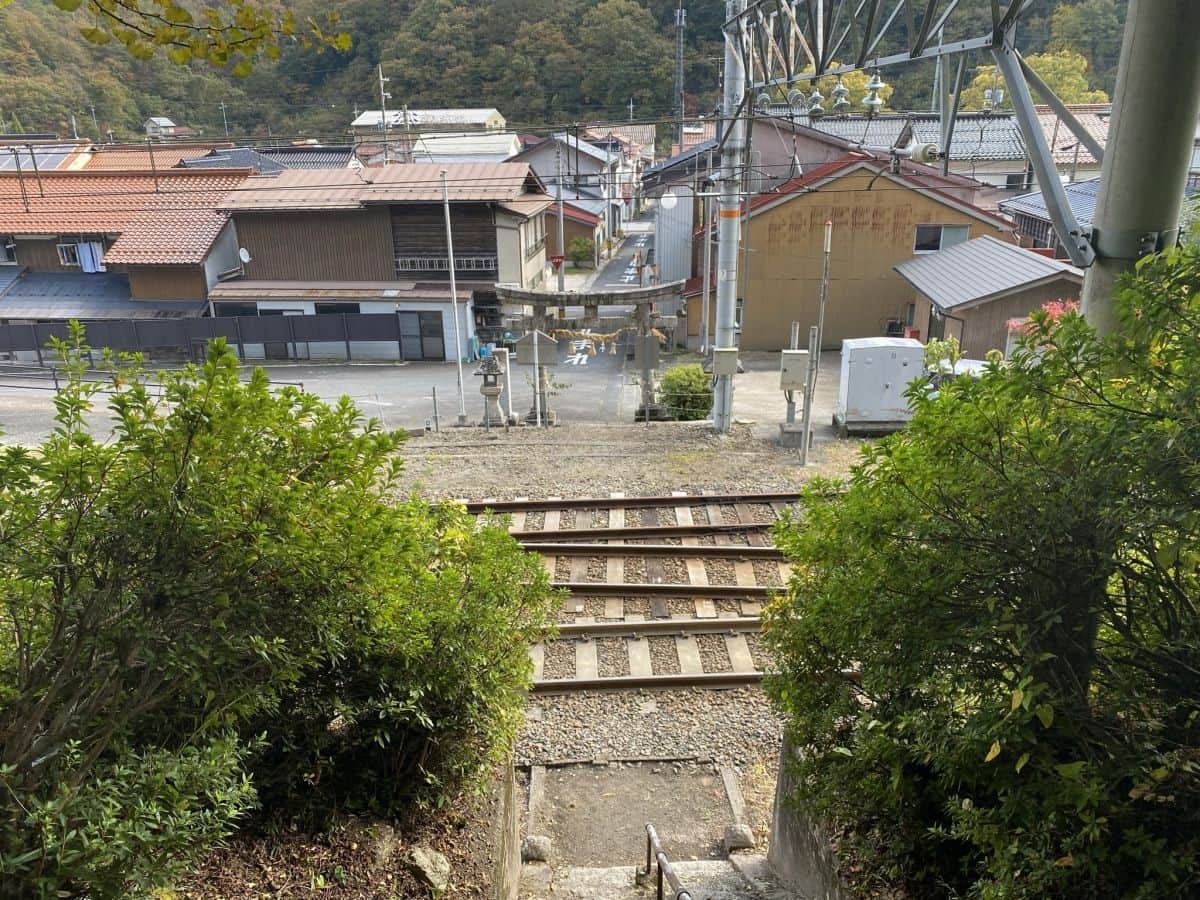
(281, 336)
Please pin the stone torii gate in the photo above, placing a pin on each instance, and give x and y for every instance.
(645, 319)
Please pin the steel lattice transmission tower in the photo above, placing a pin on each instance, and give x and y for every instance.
(1154, 113)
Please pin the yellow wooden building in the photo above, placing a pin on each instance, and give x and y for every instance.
(880, 218)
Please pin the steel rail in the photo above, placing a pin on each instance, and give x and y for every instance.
(697, 551)
(636, 532)
(542, 503)
(699, 591)
(635, 682)
(728, 625)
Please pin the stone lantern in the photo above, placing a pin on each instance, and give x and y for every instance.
(489, 369)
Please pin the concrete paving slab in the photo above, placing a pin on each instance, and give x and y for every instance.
(595, 815)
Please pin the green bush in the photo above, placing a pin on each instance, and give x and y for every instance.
(580, 250)
(176, 594)
(988, 652)
(686, 392)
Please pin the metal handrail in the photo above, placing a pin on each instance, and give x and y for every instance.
(656, 855)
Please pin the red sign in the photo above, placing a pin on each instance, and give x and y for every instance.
(557, 261)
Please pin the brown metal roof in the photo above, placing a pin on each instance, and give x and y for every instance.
(406, 183)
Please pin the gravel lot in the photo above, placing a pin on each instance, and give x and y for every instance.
(595, 460)
(729, 726)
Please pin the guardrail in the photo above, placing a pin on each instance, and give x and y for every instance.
(657, 858)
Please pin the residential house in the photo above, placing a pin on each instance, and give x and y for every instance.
(780, 150)
(975, 288)
(79, 244)
(584, 166)
(1032, 218)
(880, 217)
(370, 124)
(160, 128)
(374, 241)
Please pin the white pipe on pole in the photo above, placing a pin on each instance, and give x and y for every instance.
(729, 210)
(458, 348)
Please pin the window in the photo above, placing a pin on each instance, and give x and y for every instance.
(938, 237)
(68, 254)
(235, 309)
(1017, 182)
(8, 250)
(322, 309)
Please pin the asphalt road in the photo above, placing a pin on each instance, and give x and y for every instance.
(620, 271)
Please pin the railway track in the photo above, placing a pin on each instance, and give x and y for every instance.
(661, 592)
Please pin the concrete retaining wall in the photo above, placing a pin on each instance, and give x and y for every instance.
(800, 854)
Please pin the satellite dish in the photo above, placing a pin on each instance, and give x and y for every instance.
(243, 254)
(356, 164)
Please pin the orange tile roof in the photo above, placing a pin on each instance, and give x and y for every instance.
(128, 157)
(1094, 117)
(174, 225)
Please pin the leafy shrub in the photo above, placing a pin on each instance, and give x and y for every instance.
(580, 250)
(227, 558)
(988, 652)
(686, 391)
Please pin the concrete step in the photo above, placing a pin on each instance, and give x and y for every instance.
(742, 877)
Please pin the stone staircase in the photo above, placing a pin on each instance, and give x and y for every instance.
(740, 877)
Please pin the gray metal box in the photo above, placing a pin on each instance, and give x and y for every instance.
(725, 361)
(793, 370)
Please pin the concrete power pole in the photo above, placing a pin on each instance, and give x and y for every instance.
(729, 179)
(680, 24)
(562, 250)
(225, 119)
(1149, 146)
(383, 99)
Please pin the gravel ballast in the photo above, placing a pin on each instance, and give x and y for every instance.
(727, 726)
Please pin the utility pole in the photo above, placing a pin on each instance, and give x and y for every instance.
(680, 24)
(99, 136)
(707, 277)
(630, 109)
(74, 130)
(383, 99)
(462, 400)
(1149, 146)
(224, 119)
(408, 142)
(562, 250)
(729, 210)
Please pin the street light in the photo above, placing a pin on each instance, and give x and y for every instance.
(668, 200)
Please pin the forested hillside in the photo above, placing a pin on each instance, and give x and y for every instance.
(538, 61)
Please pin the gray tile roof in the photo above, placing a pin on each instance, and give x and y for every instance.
(977, 136)
(70, 295)
(980, 270)
(1081, 195)
(272, 160)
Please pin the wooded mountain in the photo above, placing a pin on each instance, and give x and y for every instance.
(539, 61)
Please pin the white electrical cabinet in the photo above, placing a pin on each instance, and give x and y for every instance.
(793, 370)
(875, 374)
